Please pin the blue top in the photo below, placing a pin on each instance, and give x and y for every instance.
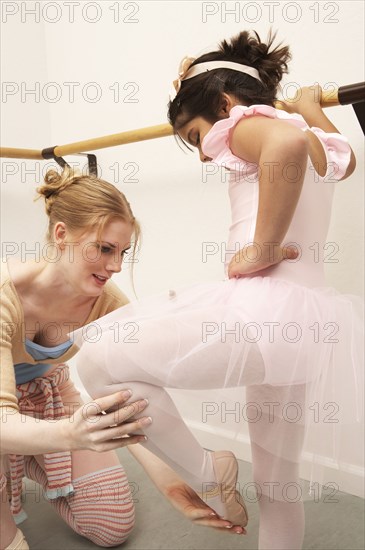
(24, 372)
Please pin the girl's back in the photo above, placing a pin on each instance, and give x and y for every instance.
(309, 226)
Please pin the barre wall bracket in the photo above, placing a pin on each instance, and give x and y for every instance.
(49, 153)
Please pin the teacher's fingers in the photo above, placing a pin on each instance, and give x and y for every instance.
(125, 429)
(113, 444)
(204, 515)
(221, 525)
(114, 402)
(121, 415)
(101, 404)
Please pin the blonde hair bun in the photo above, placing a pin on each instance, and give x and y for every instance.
(54, 182)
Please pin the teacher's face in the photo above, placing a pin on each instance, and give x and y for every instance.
(88, 263)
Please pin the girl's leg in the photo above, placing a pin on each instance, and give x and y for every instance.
(277, 478)
(170, 354)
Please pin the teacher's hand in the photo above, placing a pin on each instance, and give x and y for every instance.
(186, 501)
(95, 428)
(181, 496)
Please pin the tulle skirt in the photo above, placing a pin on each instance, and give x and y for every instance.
(298, 351)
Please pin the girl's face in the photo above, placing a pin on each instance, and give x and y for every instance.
(88, 264)
(193, 132)
(196, 129)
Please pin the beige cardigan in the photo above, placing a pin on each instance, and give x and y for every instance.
(12, 344)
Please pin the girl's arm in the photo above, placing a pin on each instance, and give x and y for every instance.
(281, 152)
(306, 103)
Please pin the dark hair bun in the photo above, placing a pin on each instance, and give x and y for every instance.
(248, 49)
(202, 95)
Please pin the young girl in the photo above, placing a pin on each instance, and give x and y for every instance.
(296, 343)
(67, 286)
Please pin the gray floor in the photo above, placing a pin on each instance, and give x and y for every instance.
(329, 526)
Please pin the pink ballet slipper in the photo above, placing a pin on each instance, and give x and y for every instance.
(226, 472)
(19, 542)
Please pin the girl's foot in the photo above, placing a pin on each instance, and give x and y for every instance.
(230, 501)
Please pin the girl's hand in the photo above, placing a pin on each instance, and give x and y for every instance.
(305, 99)
(93, 427)
(253, 258)
(186, 501)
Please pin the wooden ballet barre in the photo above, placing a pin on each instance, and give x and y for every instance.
(350, 94)
(14, 153)
(131, 136)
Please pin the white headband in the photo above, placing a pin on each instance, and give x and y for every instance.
(185, 72)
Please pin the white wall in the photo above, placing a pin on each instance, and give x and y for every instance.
(137, 52)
